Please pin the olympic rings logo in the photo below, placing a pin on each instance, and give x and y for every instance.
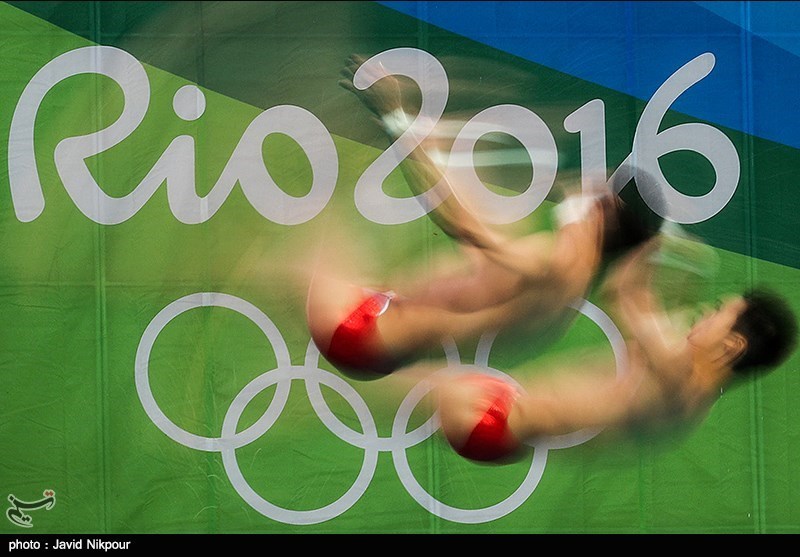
(368, 439)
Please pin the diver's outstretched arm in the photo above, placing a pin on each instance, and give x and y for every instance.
(641, 313)
(384, 98)
(529, 256)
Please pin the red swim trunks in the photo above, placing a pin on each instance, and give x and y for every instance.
(356, 344)
(491, 439)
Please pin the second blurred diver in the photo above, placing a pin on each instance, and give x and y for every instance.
(673, 376)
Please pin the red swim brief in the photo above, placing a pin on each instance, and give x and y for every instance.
(356, 344)
(491, 439)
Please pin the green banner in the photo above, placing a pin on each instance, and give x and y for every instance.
(170, 163)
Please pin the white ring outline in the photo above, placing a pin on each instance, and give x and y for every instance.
(372, 444)
(540, 446)
(288, 516)
(171, 311)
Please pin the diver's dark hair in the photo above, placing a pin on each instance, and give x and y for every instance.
(629, 220)
(770, 328)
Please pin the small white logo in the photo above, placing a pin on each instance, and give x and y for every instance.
(16, 512)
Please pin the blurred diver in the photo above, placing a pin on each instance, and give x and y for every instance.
(504, 282)
(674, 373)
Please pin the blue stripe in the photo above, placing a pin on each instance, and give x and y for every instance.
(632, 47)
